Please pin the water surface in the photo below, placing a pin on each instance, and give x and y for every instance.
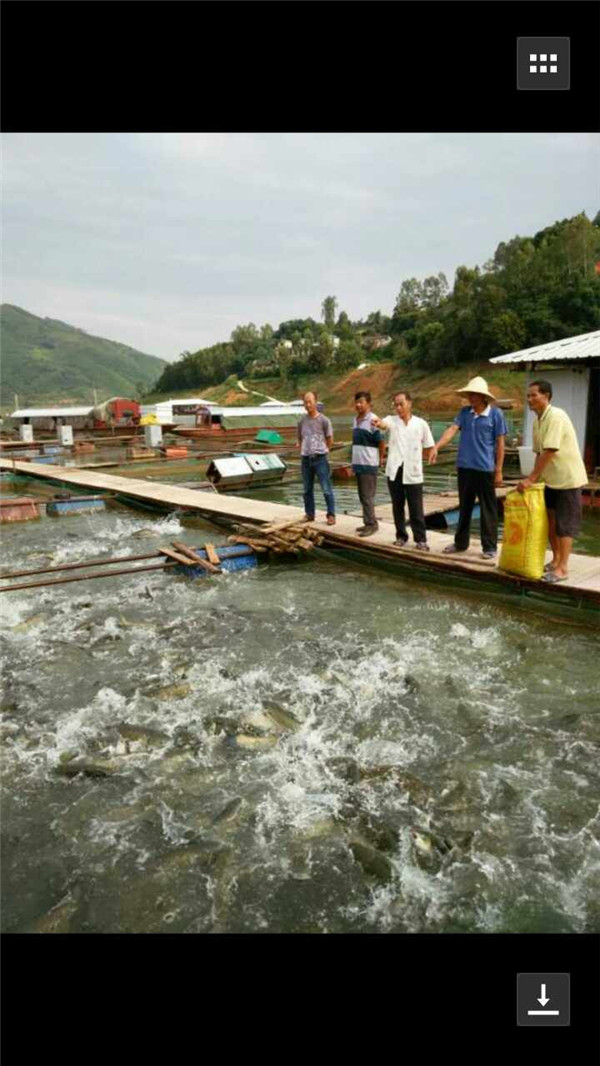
(306, 747)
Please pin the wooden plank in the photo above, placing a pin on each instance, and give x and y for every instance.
(277, 527)
(185, 559)
(211, 554)
(191, 556)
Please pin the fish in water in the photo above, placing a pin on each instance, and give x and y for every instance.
(419, 792)
(411, 683)
(143, 734)
(432, 849)
(170, 692)
(345, 767)
(29, 623)
(229, 811)
(283, 718)
(381, 835)
(248, 743)
(88, 767)
(372, 861)
(127, 623)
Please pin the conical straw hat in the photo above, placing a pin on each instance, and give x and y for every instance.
(477, 385)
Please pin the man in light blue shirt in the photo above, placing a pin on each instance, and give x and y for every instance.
(480, 460)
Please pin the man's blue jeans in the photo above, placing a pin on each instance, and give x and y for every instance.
(317, 466)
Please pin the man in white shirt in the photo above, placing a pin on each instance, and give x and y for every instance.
(409, 437)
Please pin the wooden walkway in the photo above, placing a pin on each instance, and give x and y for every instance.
(583, 583)
(434, 503)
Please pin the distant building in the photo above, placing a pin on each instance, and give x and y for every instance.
(376, 340)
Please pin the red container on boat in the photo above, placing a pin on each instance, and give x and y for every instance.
(19, 509)
(175, 453)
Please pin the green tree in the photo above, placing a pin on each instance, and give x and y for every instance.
(410, 296)
(348, 355)
(343, 329)
(434, 290)
(244, 337)
(328, 311)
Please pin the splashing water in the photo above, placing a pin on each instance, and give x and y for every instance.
(302, 747)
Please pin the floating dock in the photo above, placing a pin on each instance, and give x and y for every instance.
(579, 594)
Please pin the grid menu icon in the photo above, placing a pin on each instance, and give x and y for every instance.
(543, 63)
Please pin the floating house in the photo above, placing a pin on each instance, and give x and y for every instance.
(46, 420)
(572, 366)
(116, 416)
(182, 412)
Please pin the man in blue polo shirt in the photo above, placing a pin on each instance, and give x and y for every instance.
(480, 460)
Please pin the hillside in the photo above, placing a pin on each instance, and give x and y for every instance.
(432, 391)
(47, 361)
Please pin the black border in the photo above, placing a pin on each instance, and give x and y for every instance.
(279, 999)
(376, 65)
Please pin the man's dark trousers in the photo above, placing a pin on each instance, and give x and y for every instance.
(400, 493)
(477, 485)
(367, 489)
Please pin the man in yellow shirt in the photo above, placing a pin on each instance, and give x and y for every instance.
(559, 459)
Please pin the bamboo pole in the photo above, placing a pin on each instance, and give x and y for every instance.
(78, 566)
(84, 577)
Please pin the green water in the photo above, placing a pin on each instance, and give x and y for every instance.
(276, 745)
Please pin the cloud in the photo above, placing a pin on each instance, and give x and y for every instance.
(167, 241)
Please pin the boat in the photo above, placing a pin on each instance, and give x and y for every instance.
(239, 423)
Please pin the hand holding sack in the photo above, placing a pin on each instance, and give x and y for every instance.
(525, 532)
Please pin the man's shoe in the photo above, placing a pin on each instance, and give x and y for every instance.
(330, 519)
(359, 529)
(488, 555)
(452, 549)
(369, 531)
(401, 542)
(308, 518)
(421, 546)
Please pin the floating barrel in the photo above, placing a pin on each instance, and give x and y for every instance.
(19, 509)
(75, 505)
(231, 556)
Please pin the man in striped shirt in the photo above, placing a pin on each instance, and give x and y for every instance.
(368, 448)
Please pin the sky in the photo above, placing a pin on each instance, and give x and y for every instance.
(166, 242)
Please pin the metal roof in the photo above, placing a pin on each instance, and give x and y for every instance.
(264, 412)
(584, 346)
(52, 412)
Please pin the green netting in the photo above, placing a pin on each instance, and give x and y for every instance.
(260, 421)
(268, 436)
